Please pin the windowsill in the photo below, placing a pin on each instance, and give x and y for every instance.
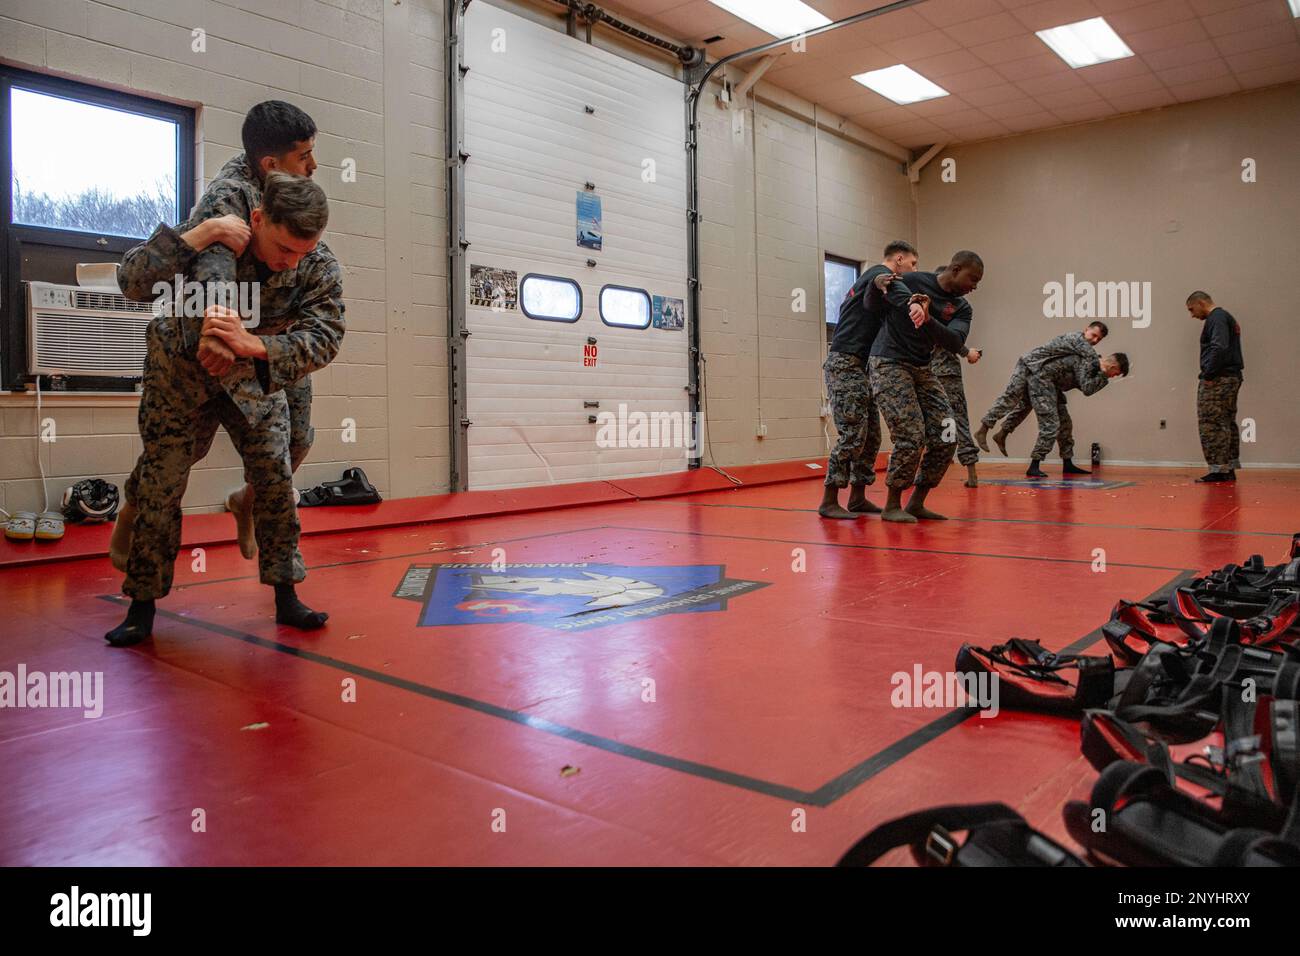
(71, 399)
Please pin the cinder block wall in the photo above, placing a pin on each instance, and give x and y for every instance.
(776, 197)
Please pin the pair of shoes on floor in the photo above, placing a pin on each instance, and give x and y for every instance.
(26, 525)
(1217, 477)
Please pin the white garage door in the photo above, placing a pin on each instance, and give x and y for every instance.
(546, 114)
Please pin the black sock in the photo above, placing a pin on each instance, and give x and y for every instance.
(289, 610)
(137, 626)
(1033, 467)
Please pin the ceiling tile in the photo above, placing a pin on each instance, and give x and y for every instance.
(987, 30)
(919, 47)
(1022, 124)
(896, 26)
(1258, 39)
(1114, 70)
(958, 61)
(1085, 112)
(1142, 101)
(1041, 65)
(968, 134)
(944, 13)
(1193, 72)
(1149, 16)
(993, 94)
(1079, 97)
(980, 79)
(1055, 13)
(1270, 75)
(1181, 56)
(1250, 17)
(1170, 35)
(1204, 8)
(941, 106)
(1020, 107)
(1260, 59)
(1142, 83)
(1051, 83)
(1202, 89)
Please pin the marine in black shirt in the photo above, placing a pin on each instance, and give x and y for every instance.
(853, 460)
(924, 311)
(1216, 393)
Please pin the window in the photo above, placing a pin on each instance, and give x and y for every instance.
(551, 298)
(85, 174)
(840, 276)
(628, 308)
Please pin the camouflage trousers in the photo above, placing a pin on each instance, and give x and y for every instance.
(301, 436)
(1216, 420)
(1012, 399)
(968, 452)
(853, 408)
(301, 433)
(1055, 426)
(180, 403)
(915, 407)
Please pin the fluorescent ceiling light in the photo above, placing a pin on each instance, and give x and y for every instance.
(900, 83)
(1295, 7)
(781, 18)
(1086, 42)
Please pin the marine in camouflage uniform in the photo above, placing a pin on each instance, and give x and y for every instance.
(853, 408)
(1014, 403)
(1222, 370)
(233, 191)
(947, 368)
(915, 406)
(908, 393)
(301, 322)
(1047, 387)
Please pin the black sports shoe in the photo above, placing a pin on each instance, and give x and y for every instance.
(1215, 477)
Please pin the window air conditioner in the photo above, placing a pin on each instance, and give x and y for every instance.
(81, 330)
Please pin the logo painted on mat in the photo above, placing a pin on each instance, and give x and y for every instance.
(565, 597)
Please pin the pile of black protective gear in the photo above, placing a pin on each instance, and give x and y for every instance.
(1215, 663)
(354, 488)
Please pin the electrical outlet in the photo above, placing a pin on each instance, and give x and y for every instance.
(1162, 423)
(762, 429)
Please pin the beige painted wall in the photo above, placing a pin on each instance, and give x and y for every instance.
(370, 74)
(1155, 197)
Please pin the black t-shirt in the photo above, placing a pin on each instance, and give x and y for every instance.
(1220, 345)
(950, 316)
(860, 317)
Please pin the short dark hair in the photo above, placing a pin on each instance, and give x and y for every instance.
(965, 257)
(296, 203)
(1122, 359)
(1099, 325)
(899, 245)
(271, 129)
(1202, 296)
(941, 268)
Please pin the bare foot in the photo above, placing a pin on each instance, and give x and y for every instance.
(1000, 439)
(972, 479)
(863, 506)
(899, 515)
(921, 511)
(982, 436)
(119, 546)
(835, 511)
